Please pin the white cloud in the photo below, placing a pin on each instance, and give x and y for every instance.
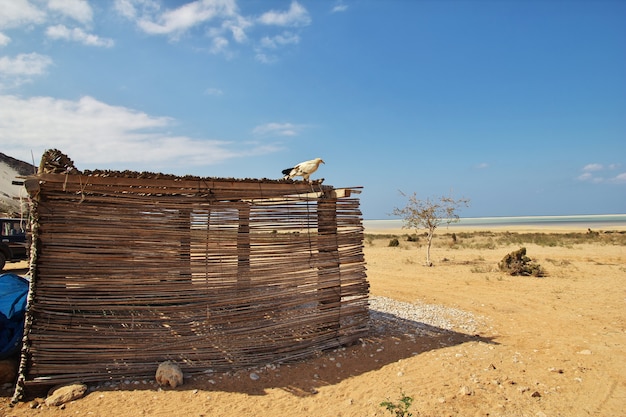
(24, 64)
(129, 8)
(297, 15)
(593, 167)
(4, 39)
(79, 10)
(339, 7)
(21, 69)
(219, 45)
(98, 135)
(219, 20)
(265, 58)
(278, 129)
(77, 35)
(620, 178)
(177, 21)
(237, 27)
(482, 165)
(285, 38)
(599, 173)
(22, 14)
(16, 13)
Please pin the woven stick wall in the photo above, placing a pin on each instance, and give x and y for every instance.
(131, 269)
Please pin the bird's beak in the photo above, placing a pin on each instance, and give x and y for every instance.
(323, 162)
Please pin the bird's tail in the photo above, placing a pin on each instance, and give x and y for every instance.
(287, 171)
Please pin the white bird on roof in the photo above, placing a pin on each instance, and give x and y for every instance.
(303, 169)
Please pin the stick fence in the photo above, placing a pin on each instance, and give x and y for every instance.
(131, 269)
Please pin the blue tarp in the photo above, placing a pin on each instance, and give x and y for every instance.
(13, 294)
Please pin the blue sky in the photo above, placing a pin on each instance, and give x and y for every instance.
(519, 106)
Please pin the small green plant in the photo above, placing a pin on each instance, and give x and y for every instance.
(394, 242)
(401, 408)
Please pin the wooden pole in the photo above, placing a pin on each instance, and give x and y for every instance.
(243, 248)
(329, 277)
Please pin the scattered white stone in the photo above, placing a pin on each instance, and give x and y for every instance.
(584, 352)
(419, 316)
(254, 376)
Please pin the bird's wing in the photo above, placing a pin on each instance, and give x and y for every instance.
(306, 167)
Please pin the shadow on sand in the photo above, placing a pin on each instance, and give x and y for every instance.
(390, 340)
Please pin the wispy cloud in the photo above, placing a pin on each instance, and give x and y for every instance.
(175, 22)
(593, 167)
(24, 14)
(282, 39)
(78, 10)
(221, 21)
(599, 173)
(297, 15)
(100, 135)
(77, 35)
(15, 71)
(482, 165)
(620, 178)
(339, 7)
(4, 39)
(278, 129)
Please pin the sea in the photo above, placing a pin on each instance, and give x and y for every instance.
(593, 222)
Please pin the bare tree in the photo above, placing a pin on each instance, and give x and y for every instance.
(429, 214)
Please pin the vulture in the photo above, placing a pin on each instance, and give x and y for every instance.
(303, 169)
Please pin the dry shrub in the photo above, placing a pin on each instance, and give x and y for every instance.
(517, 263)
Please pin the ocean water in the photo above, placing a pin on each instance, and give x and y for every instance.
(596, 221)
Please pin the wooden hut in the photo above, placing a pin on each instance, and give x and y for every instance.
(131, 269)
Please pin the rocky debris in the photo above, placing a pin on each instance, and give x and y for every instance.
(168, 373)
(62, 394)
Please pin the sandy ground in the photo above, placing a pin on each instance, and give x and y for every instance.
(553, 346)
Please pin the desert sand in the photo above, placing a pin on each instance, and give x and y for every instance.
(512, 346)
